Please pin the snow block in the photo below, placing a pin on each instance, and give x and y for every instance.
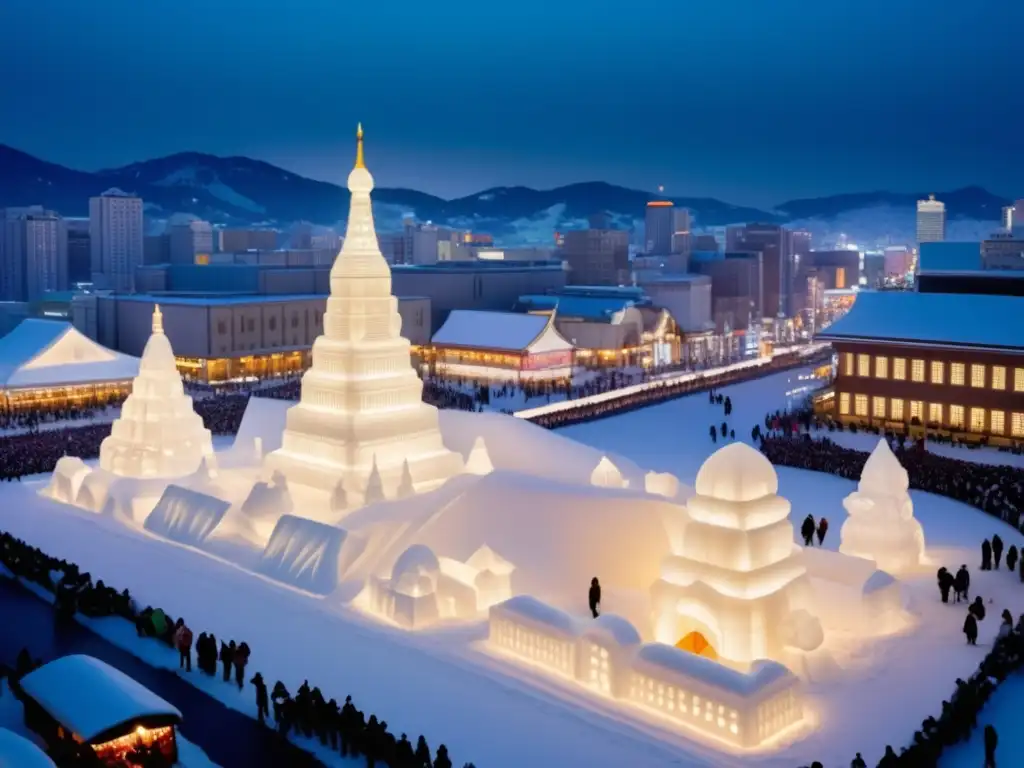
(186, 516)
(308, 555)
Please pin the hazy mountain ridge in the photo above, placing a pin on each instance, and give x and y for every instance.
(239, 190)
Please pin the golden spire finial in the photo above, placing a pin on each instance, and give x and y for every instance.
(360, 162)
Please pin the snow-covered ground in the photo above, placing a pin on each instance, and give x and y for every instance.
(500, 714)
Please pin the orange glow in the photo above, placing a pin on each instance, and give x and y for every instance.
(660, 204)
(697, 644)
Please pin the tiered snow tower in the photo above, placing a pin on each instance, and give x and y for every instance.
(734, 587)
(158, 434)
(362, 402)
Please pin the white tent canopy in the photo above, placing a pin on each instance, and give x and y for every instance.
(39, 354)
(90, 697)
(18, 752)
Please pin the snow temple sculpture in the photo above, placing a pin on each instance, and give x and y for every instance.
(881, 524)
(734, 586)
(479, 460)
(361, 400)
(607, 475)
(159, 434)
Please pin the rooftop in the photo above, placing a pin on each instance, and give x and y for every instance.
(505, 331)
(949, 255)
(553, 265)
(597, 308)
(937, 319)
(224, 299)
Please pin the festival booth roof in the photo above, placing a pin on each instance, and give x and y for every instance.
(48, 353)
(500, 331)
(18, 752)
(92, 699)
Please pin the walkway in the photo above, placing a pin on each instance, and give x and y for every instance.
(229, 738)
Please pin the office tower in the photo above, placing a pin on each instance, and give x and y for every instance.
(35, 255)
(781, 295)
(79, 251)
(1008, 214)
(659, 226)
(115, 238)
(801, 242)
(191, 242)
(596, 256)
(931, 220)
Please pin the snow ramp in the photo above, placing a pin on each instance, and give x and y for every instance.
(309, 555)
(186, 516)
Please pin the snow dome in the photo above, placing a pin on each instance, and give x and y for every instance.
(734, 581)
(881, 524)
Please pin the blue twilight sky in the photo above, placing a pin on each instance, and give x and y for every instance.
(752, 101)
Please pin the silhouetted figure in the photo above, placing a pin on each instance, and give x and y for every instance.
(997, 551)
(227, 658)
(978, 609)
(423, 757)
(183, 642)
(594, 597)
(986, 556)
(240, 660)
(1011, 558)
(889, 759)
(262, 701)
(991, 741)
(807, 530)
(945, 579)
(962, 585)
(858, 762)
(442, 760)
(971, 629)
(822, 530)
(714, 434)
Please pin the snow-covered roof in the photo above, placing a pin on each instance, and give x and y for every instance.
(713, 673)
(49, 353)
(89, 697)
(615, 627)
(505, 331)
(737, 473)
(937, 319)
(18, 752)
(602, 309)
(532, 609)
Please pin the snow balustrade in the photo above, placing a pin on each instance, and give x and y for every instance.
(606, 654)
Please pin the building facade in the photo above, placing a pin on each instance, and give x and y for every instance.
(596, 256)
(190, 242)
(34, 255)
(931, 220)
(115, 239)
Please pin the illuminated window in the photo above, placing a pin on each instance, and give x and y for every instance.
(878, 407)
(916, 409)
(938, 372)
(998, 377)
(956, 374)
(844, 403)
(863, 365)
(848, 363)
(956, 416)
(896, 409)
(899, 368)
(977, 419)
(1018, 379)
(881, 367)
(1017, 425)
(917, 370)
(997, 420)
(978, 376)
(935, 413)
(860, 405)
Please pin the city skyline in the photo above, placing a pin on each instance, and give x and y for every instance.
(758, 106)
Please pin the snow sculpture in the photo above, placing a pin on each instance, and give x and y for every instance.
(851, 595)
(186, 516)
(405, 486)
(158, 433)
(607, 475)
(881, 524)
(374, 486)
(67, 478)
(266, 504)
(92, 492)
(361, 400)
(662, 483)
(479, 460)
(309, 555)
(493, 579)
(734, 575)
(339, 498)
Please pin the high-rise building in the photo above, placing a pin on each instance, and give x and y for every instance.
(597, 256)
(801, 242)
(79, 251)
(35, 255)
(781, 292)
(191, 242)
(115, 238)
(931, 220)
(659, 226)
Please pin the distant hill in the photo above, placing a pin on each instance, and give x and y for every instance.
(239, 190)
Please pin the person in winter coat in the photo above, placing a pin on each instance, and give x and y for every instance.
(227, 656)
(594, 597)
(807, 529)
(962, 584)
(1011, 558)
(1007, 626)
(240, 660)
(889, 759)
(822, 530)
(997, 550)
(971, 629)
(978, 609)
(183, 642)
(714, 434)
(945, 579)
(262, 702)
(986, 556)
(991, 741)
(858, 762)
(278, 697)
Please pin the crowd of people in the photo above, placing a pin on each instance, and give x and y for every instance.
(14, 420)
(308, 713)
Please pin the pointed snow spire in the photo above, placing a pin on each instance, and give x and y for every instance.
(405, 487)
(360, 159)
(607, 475)
(339, 497)
(883, 472)
(374, 485)
(158, 319)
(479, 460)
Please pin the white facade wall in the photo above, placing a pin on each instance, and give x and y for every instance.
(116, 239)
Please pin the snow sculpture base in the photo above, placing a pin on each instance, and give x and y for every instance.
(851, 595)
(308, 555)
(881, 524)
(186, 516)
(66, 479)
(744, 709)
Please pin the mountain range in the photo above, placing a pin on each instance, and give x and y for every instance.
(239, 190)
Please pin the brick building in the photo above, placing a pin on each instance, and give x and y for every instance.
(953, 364)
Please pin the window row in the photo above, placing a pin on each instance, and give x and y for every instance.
(883, 367)
(954, 416)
